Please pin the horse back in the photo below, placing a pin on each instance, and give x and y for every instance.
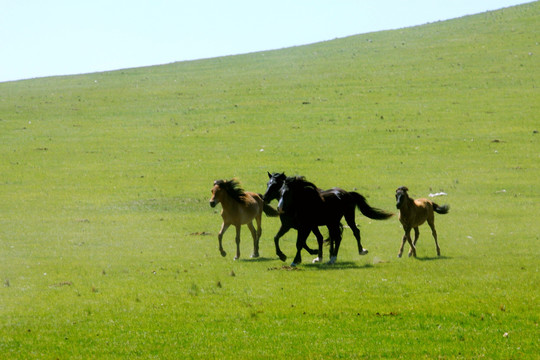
(253, 204)
(425, 208)
(240, 213)
(333, 206)
(424, 203)
(417, 214)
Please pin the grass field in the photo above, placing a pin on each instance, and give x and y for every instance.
(108, 247)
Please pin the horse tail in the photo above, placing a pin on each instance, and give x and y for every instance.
(270, 211)
(370, 212)
(441, 209)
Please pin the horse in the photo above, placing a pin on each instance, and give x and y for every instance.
(348, 200)
(301, 202)
(239, 208)
(412, 214)
(312, 207)
(275, 182)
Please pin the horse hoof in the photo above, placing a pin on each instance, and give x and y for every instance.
(316, 260)
(282, 257)
(332, 260)
(293, 264)
(398, 255)
(254, 256)
(236, 258)
(223, 253)
(364, 252)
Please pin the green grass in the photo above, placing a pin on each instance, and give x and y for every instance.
(105, 180)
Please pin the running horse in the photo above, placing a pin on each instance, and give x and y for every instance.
(345, 202)
(273, 187)
(311, 207)
(239, 208)
(412, 214)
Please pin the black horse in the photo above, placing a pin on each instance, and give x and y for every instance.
(302, 201)
(313, 207)
(275, 182)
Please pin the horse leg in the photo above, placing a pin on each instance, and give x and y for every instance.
(255, 235)
(335, 236)
(238, 227)
(318, 235)
(412, 251)
(403, 240)
(332, 246)
(434, 233)
(282, 231)
(320, 241)
(356, 231)
(224, 228)
(416, 236)
(300, 242)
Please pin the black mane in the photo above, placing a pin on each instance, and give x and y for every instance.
(299, 182)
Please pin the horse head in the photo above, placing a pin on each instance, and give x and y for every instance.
(285, 198)
(273, 186)
(401, 196)
(297, 192)
(216, 192)
(286, 192)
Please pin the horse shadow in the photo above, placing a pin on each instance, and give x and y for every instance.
(257, 259)
(342, 265)
(432, 258)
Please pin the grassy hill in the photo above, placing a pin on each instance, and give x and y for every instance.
(105, 178)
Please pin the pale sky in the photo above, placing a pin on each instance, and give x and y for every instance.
(63, 37)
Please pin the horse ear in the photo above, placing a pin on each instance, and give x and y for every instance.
(269, 175)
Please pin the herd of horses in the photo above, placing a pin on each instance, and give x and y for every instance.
(304, 207)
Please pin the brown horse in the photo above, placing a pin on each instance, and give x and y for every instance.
(239, 208)
(412, 214)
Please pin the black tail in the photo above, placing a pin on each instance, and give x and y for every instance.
(270, 211)
(441, 209)
(370, 212)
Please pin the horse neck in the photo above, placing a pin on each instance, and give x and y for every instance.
(277, 195)
(407, 204)
(311, 198)
(227, 202)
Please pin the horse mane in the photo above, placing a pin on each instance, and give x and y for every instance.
(233, 189)
(308, 195)
(300, 181)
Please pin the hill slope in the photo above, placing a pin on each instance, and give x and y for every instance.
(104, 182)
(479, 69)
